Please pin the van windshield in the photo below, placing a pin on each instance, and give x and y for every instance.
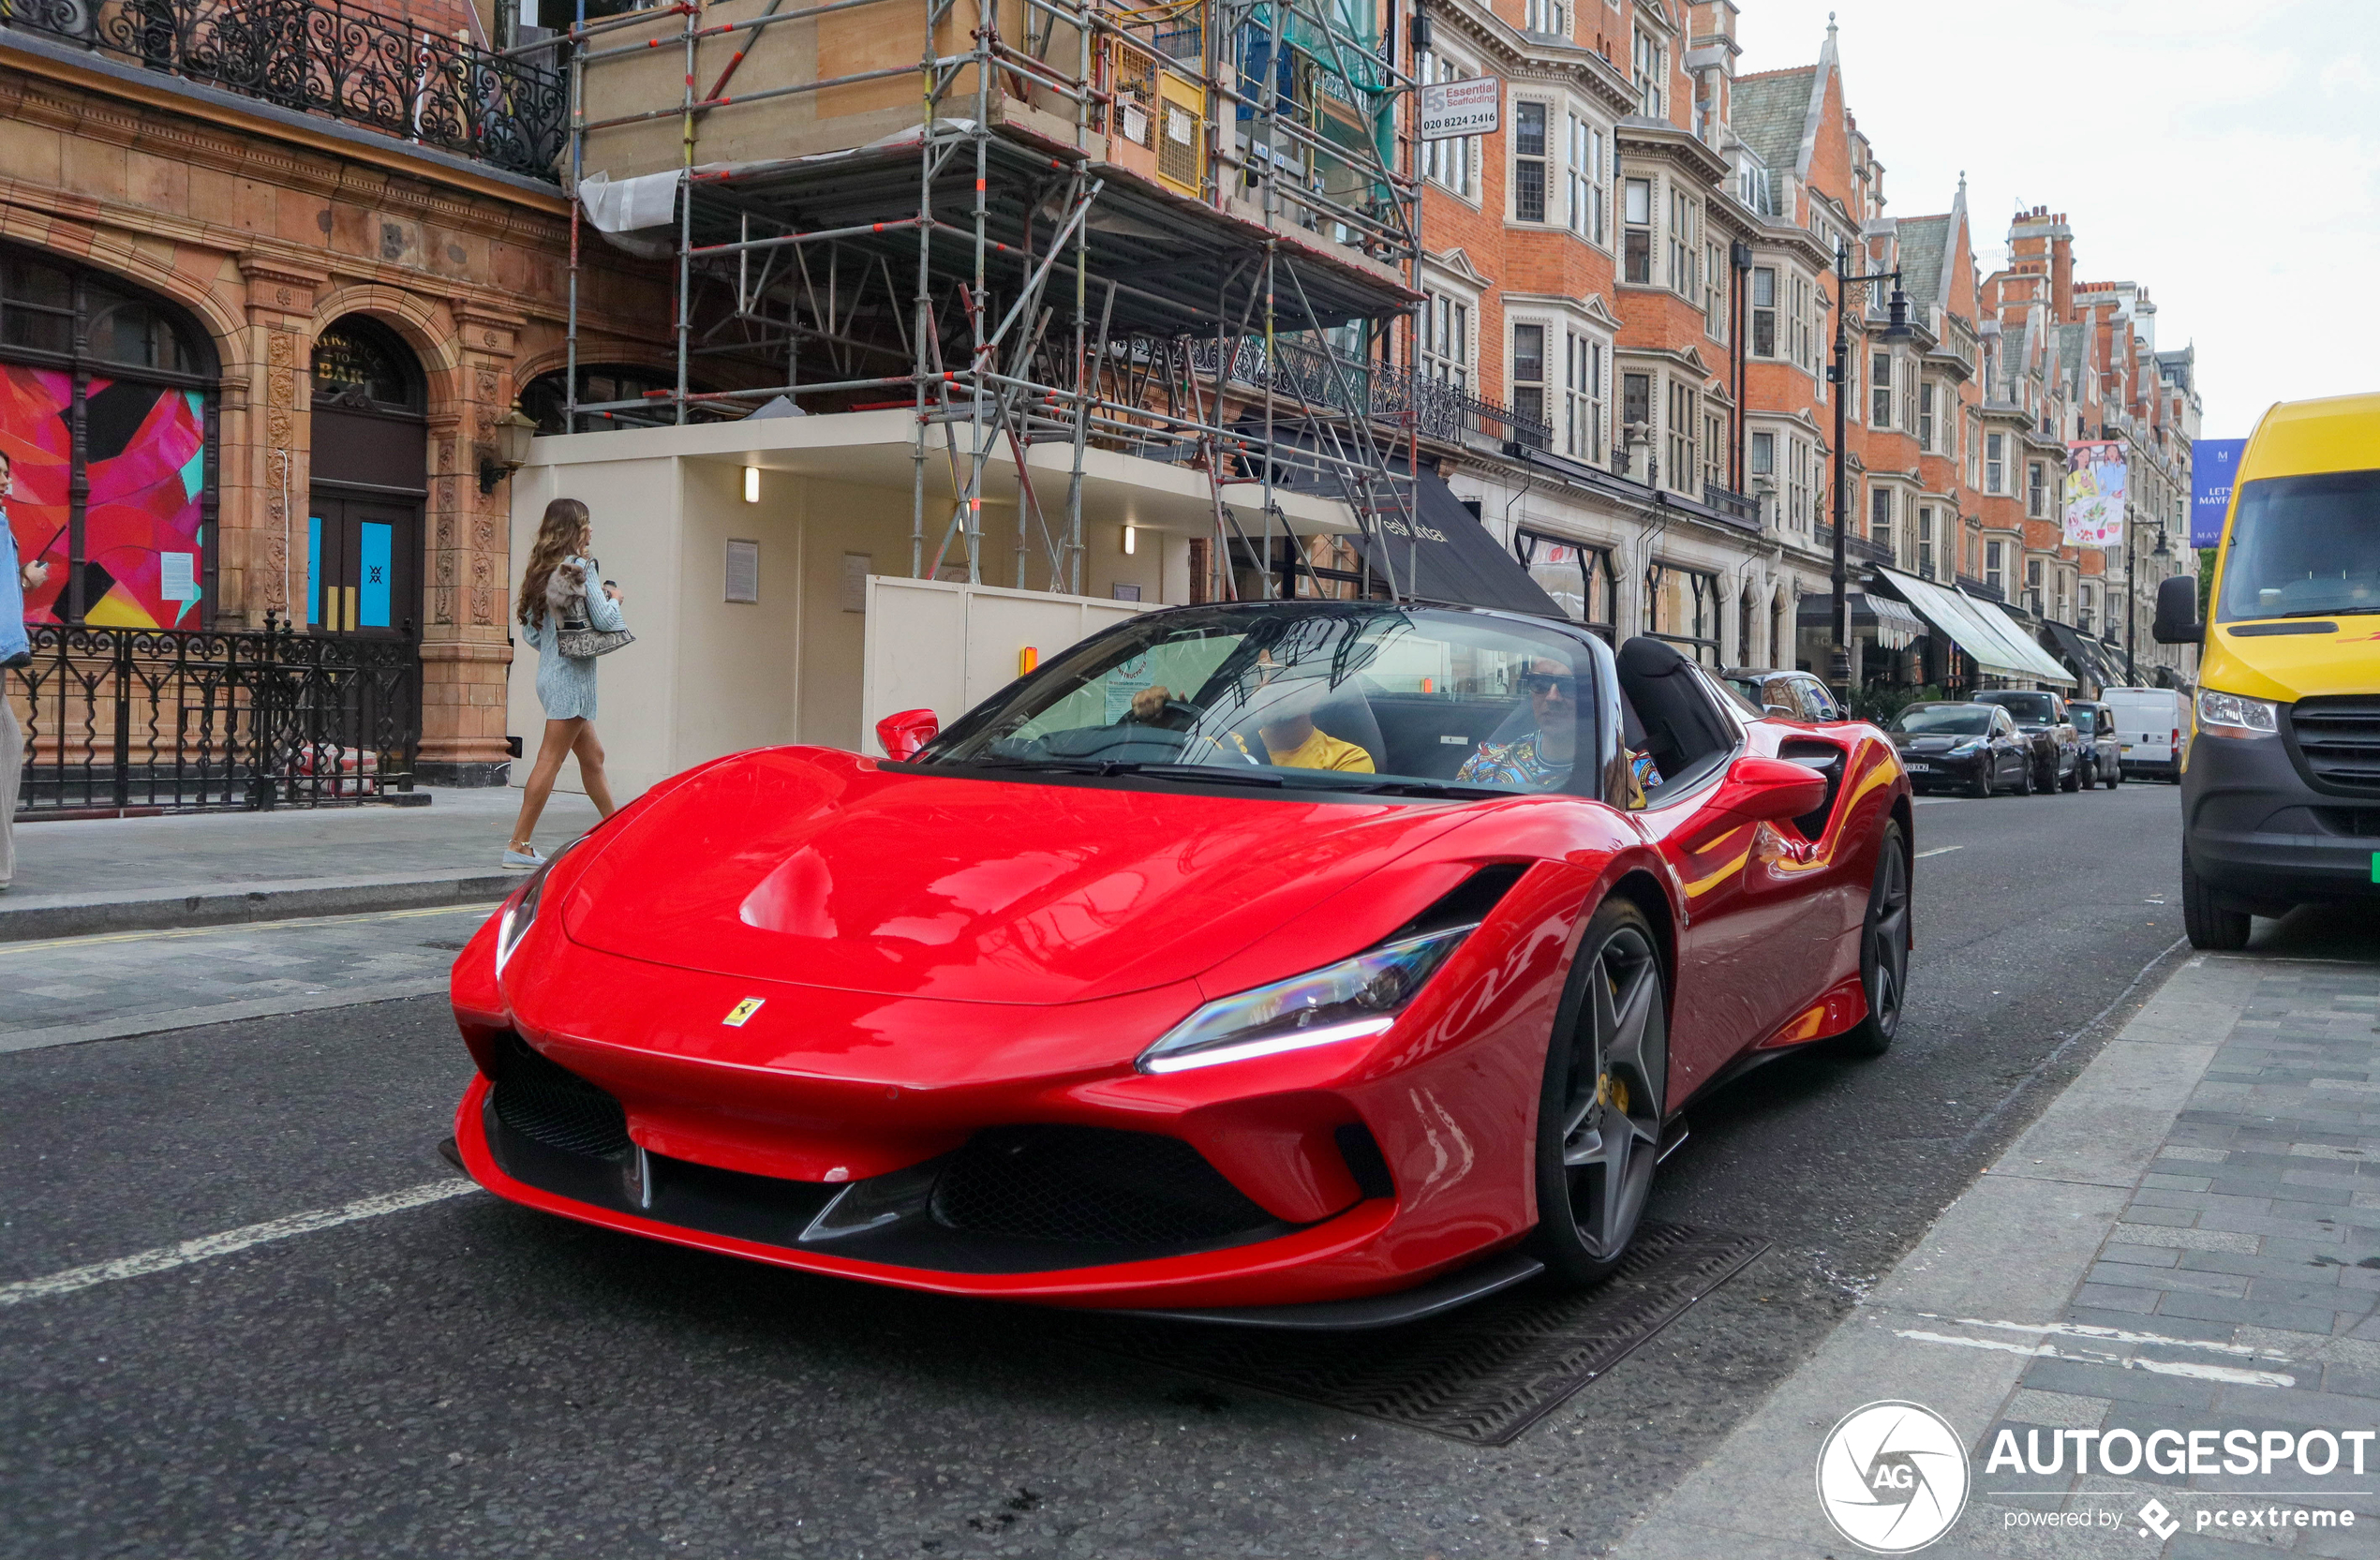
(2304, 547)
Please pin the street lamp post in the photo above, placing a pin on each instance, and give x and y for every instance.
(1895, 329)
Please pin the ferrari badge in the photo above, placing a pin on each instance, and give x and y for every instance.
(741, 1010)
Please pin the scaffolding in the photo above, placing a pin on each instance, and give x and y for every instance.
(1184, 232)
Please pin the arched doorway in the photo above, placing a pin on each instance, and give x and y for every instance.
(545, 400)
(107, 414)
(370, 481)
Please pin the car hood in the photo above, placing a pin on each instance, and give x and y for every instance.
(1930, 743)
(823, 868)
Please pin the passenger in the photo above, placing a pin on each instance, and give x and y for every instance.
(1541, 758)
(1291, 739)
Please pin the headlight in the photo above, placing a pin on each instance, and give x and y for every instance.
(1345, 1001)
(2259, 716)
(520, 911)
(1968, 749)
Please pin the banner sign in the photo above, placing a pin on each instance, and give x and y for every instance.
(2212, 461)
(1464, 107)
(2097, 482)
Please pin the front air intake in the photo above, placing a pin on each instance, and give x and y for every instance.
(1093, 1185)
(548, 1104)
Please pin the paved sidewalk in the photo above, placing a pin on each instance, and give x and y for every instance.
(2187, 1240)
(92, 876)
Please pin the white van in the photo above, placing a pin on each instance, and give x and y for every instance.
(2150, 722)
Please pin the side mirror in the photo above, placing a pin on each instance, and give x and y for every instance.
(1771, 788)
(903, 734)
(2178, 620)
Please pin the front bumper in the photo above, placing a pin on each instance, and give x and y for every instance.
(1928, 771)
(850, 1136)
(2264, 839)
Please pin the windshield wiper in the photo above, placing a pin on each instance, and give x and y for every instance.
(1226, 773)
(2334, 612)
(1049, 765)
(1341, 779)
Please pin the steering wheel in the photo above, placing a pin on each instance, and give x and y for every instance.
(1172, 715)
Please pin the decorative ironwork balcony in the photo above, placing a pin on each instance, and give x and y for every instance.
(1743, 506)
(324, 57)
(1975, 586)
(1854, 545)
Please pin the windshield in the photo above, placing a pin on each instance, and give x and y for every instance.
(2304, 547)
(1338, 696)
(1953, 721)
(2035, 708)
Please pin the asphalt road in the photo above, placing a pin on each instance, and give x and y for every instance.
(465, 1378)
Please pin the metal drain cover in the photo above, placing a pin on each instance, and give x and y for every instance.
(1482, 1375)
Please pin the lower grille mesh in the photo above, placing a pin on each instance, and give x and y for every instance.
(1090, 1184)
(544, 1101)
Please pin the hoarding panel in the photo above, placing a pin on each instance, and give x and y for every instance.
(2097, 485)
(2212, 464)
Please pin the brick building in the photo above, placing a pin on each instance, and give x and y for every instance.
(1643, 261)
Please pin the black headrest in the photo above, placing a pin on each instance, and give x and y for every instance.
(1650, 658)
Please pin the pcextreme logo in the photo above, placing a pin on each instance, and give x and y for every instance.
(1892, 1477)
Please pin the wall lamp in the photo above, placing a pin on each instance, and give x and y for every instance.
(512, 433)
(751, 484)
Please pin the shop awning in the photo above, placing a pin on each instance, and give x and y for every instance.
(1996, 645)
(1896, 627)
(2086, 653)
(1447, 555)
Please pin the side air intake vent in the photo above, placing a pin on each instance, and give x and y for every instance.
(1466, 904)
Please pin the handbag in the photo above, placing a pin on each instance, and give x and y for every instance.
(581, 643)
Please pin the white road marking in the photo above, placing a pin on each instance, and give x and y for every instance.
(1935, 801)
(1939, 850)
(162, 1259)
(2108, 1335)
(2229, 1375)
(251, 928)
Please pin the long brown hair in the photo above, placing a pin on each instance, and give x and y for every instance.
(557, 537)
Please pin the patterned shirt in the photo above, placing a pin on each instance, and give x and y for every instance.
(1517, 764)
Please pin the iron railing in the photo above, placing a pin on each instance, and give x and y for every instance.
(1854, 545)
(326, 58)
(1396, 397)
(119, 719)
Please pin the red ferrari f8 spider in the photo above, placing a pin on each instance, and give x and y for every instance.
(1294, 963)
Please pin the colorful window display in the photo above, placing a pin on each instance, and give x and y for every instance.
(139, 553)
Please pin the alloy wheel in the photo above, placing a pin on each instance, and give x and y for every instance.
(1612, 1110)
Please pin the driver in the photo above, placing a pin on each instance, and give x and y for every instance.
(1539, 759)
(1291, 739)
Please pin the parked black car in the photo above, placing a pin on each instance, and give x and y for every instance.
(2056, 744)
(1965, 747)
(2103, 755)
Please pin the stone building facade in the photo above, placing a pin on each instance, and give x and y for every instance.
(349, 314)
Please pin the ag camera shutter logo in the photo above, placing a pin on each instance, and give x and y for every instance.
(1892, 1477)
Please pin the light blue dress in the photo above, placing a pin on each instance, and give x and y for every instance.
(566, 684)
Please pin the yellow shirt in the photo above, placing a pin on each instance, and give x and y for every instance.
(1320, 751)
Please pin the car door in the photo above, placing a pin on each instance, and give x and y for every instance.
(2007, 749)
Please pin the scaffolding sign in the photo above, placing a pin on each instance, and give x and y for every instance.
(1469, 107)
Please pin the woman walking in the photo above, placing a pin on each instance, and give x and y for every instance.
(562, 587)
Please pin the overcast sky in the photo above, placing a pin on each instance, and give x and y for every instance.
(2225, 154)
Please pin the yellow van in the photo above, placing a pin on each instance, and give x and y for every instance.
(2281, 780)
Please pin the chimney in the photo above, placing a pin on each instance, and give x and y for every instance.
(2061, 268)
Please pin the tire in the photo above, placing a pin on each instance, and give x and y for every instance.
(2088, 773)
(2025, 779)
(2073, 781)
(2115, 776)
(1599, 1113)
(1883, 949)
(2209, 925)
(1980, 788)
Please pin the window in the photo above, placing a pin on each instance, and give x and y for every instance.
(1975, 451)
(1681, 436)
(1995, 565)
(1681, 605)
(1880, 381)
(1578, 179)
(1751, 184)
(1450, 161)
(2036, 483)
(2064, 580)
(1583, 398)
(1528, 162)
(2032, 586)
(1549, 17)
(1993, 461)
(1637, 264)
(1879, 517)
(1528, 372)
(1763, 311)
(1714, 449)
(1652, 77)
(1683, 248)
(1909, 400)
(1579, 579)
(1636, 410)
(1926, 540)
(1925, 416)
(1797, 483)
(1763, 454)
(1446, 347)
(1714, 274)
(2082, 608)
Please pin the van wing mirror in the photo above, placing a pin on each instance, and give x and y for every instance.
(2178, 620)
(903, 734)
